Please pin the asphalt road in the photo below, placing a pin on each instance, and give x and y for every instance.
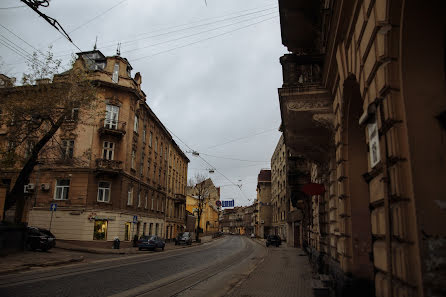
(168, 273)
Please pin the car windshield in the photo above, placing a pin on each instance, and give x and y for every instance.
(144, 237)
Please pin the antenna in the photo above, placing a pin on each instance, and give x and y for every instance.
(118, 49)
(95, 43)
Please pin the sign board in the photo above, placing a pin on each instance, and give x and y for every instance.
(135, 219)
(373, 144)
(227, 203)
(53, 206)
(218, 203)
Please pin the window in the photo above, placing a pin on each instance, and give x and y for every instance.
(73, 116)
(108, 150)
(148, 168)
(104, 192)
(115, 76)
(141, 167)
(165, 155)
(62, 189)
(67, 149)
(161, 151)
(111, 116)
(29, 147)
(144, 132)
(150, 139)
(130, 196)
(100, 230)
(146, 201)
(133, 159)
(156, 144)
(139, 199)
(136, 124)
(152, 203)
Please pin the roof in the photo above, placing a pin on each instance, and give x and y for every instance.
(264, 175)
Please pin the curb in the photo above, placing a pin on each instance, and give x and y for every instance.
(25, 267)
(111, 251)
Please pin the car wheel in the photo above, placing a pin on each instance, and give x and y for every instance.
(140, 249)
(267, 245)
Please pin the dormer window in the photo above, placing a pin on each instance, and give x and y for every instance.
(129, 71)
(115, 77)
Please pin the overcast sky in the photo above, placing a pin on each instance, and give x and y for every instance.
(210, 72)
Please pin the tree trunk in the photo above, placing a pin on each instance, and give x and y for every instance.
(17, 195)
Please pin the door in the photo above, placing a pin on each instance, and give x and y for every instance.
(100, 230)
(111, 117)
(296, 235)
(127, 232)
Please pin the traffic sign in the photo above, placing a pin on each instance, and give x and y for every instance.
(227, 203)
(135, 219)
(53, 206)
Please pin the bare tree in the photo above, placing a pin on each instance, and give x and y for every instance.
(199, 187)
(32, 114)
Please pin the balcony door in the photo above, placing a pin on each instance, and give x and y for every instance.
(111, 117)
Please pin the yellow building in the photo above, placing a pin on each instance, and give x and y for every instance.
(209, 217)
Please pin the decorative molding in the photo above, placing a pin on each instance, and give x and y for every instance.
(310, 103)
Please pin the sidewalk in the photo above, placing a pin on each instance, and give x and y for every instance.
(25, 260)
(126, 248)
(285, 272)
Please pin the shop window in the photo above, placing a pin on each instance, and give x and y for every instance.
(104, 192)
(100, 230)
(62, 189)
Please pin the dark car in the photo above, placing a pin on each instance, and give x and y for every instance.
(176, 239)
(185, 238)
(273, 240)
(39, 239)
(150, 242)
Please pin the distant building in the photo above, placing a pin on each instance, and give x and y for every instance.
(264, 207)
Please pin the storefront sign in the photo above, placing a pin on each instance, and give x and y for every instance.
(94, 217)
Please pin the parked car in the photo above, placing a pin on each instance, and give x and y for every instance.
(176, 239)
(151, 242)
(39, 239)
(185, 238)
(253, 235)
(273, 240)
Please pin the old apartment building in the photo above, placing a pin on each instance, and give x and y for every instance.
(363, 107)
(118, 173)
(279, 198)
(264, 206)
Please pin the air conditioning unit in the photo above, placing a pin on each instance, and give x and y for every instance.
(29, 188)
(262, 222)
(45, 187)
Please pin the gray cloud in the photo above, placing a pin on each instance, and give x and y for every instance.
(208, 93)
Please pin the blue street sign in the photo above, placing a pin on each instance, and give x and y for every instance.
(53, 206)
(135, 219)
(227, 203)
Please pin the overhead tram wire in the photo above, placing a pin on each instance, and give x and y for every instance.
(204, 39)
(91, 20)
(227, 158)
(241, 138)
(19, 37)
(183, 37)
(212, 166)
(12, 7)
(198, 33)
(113, 44)
(19, 50)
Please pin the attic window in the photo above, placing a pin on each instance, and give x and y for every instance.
(129, 71)
(115, 77)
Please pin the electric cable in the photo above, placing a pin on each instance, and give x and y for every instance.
(201, 40)
(241, 138)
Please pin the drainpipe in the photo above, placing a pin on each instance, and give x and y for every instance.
(387, 204)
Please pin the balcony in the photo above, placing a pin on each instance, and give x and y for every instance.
(108, 166)
(113, 128)
(306, 108)
(179, 198)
